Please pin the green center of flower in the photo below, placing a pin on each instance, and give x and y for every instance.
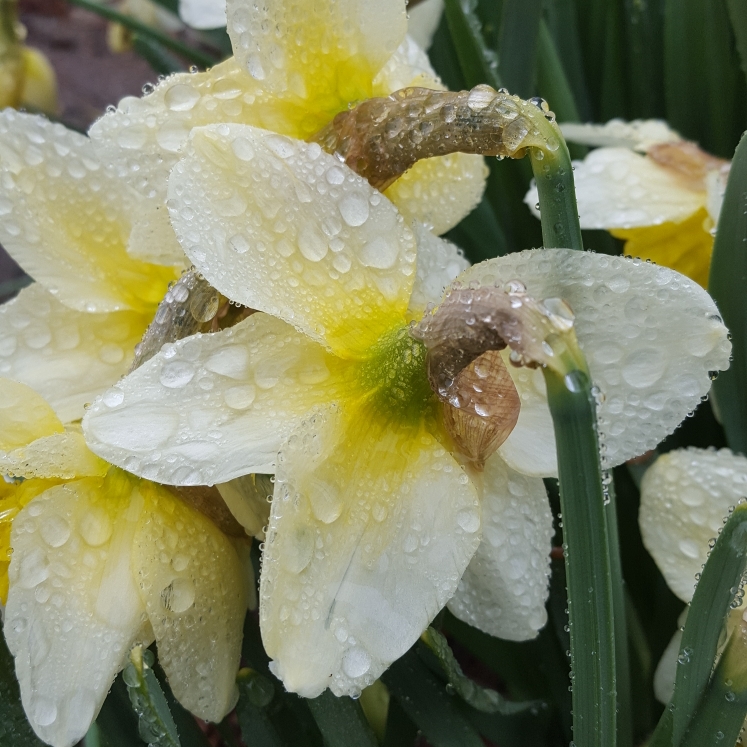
(394, 377)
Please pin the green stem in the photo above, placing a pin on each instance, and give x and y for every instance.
(589, 567)
(189, 53)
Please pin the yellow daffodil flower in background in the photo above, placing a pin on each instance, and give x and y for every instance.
(296, 65)
(378, 518)
(27, 80)
(648, 186)
(103, 561)
(685, 496)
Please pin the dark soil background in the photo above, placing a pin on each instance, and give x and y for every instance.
(89, 75)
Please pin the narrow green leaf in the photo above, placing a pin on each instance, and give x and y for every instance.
(722, 711)
(117, 722)
(738, 16)
(341, 721)
(425, 700)
(11, 287)
(480, 234)
(162, 61)
(156, 724)
(479, 63)
(15, 730)
(256, 693)
(727, 283)
(189, 53)
(662, 736)
(588, 559)
(709, 608)
(480, 698)
(517, 45)
(190, 734)
(400, 729)
(613, 99)
(552, 82)
(170, 5)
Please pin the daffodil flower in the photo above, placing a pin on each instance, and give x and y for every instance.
(69, 224)
(103, 561)
(378, 518)
(297, 64)
(648, 186)
(685, 496)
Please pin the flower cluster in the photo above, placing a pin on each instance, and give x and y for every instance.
(393, 391)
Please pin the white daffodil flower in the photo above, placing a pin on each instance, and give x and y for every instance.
(376, 523)
(297, 64)
(423, 20)
(648, 186)
(203, 14)
(100, 562)
(685, 497)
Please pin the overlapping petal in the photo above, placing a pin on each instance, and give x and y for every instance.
(504, 589)
(326, 53)
(67, 356)
(66, 222)
(281, 226)
(73, 609)
(372, 525)
(639, 134)
(203, 14)
(650, 335)
(685, 497)
(24, 416)
(212, 407)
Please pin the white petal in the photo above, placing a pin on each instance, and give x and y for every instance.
(192, 585)
(372, 526)
(61, 455)
(65, 221)
(639, 134)
(25, 416)
(203, 14)
(715, 189)
(152, 238)
(67, 356)
(504, 589)
(650, 336)
(409, 66)
(212, 407)
(281, 226)
(312, 51)
(423, 21)
(685, 497)
(617, 188)
(666, 669)
(248, 499)
(439, 263)
(73, 609)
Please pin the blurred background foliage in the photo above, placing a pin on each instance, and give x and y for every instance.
(593, 60)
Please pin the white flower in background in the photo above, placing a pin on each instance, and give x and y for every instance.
(685, 497)
(423, 20)
(297, 64)
(648, 186)
(375, 523)
(203, 14)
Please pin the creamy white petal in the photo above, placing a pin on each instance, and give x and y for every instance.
(685, 497)
(65, 220)
(650, 335)
(715, 189)
(504, 589)
(203, 14)
(423, 21)
(152, 238)
(639, 134)
(666, 669)
(61, 455)
(617, 188)
(73, 609)
(408, 66)
(372, 526)
(325, 51)
(248, 499)
(24, 416)
(439, 263)
(67, 356)
(281, 226)
(212, 407)
(193, 587)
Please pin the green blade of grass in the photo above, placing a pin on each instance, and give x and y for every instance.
(517, 46)
(552, 82)
(341, 721)
(727, 283)
(160, 59)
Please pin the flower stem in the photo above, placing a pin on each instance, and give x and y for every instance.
(587, 557)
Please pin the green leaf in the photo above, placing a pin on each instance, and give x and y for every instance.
(480, 698)
(170, 5)
(479, 63)
(156, 724)
(517, 45)
(400, 729)
(709, 609)
(255, 695)
(117, 722)
(588, 561)
(160, 59)
(480, 234)
(341, 721)
(9, 288)
(727, 283)
(189, 53)
(738, 16)
(15, 729)
(425, 700)
(552, 82)
(723, 708)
